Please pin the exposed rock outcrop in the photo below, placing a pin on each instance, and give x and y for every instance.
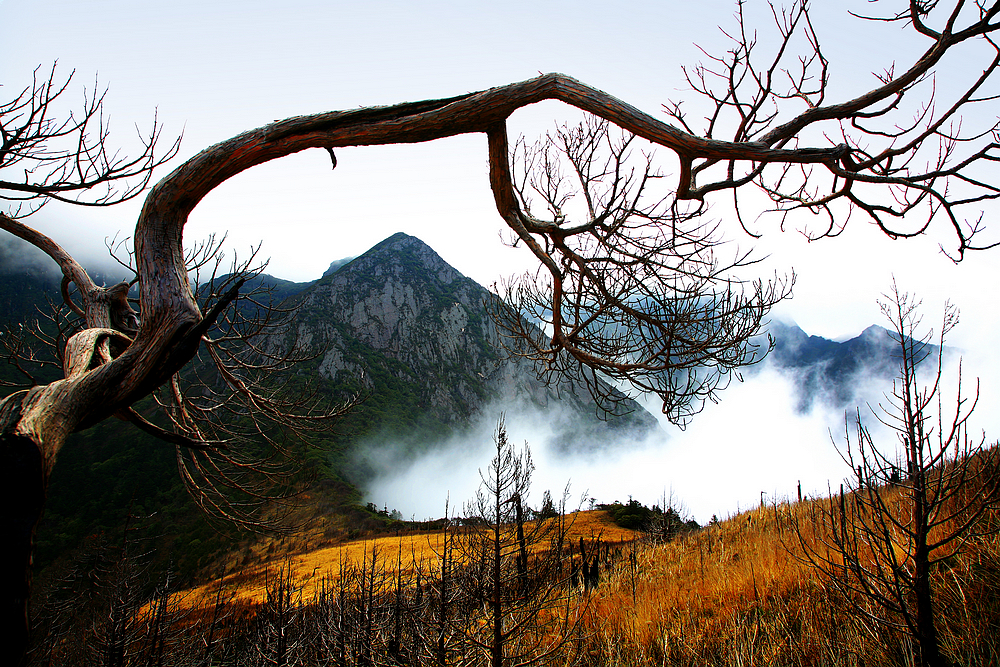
(402, 318)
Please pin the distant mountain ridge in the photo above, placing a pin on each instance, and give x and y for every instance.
(402, 325)
(336, 264)
(402, 308)
(830, 371)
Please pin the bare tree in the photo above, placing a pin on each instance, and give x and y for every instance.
(279, 638)
(905, 157)
(772, 126)
(885, 533)
(226, 419)
(640, 293)
(513, 582)
(441, 638)
(44, 157)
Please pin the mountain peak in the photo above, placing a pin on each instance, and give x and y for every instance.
(400, 242)
(402, 255)
(874, 331)
(406, 325)
(400, 237)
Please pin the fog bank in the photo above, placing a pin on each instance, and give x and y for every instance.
(753, 441)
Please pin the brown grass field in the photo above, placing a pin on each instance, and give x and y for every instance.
(406, 550)
(738, 592)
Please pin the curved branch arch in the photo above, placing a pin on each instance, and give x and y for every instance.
(911, 161)
(169, 312)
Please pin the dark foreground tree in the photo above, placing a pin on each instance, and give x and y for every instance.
(226, 420)
(895, 153)
(911, 507)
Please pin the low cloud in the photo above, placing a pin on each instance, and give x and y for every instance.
(18, 257)
(754, 440)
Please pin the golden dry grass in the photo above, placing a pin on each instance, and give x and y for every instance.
(678, 598)
(738, 592)
(310, 569)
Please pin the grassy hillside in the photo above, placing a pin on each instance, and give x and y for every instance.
(736, 592)
(417, 546)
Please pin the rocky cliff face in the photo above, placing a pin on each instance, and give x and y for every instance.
(403, 322)
(401, 308)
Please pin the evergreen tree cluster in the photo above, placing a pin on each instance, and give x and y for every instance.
(659, 523)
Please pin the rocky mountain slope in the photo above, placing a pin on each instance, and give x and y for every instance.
(402, 324)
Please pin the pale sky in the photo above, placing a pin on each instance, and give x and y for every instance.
(212, 69)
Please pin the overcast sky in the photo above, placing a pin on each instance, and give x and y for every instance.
(213, 69)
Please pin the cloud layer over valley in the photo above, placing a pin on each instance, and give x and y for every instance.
(756, 439)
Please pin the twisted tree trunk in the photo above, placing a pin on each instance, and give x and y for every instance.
(109, 366)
